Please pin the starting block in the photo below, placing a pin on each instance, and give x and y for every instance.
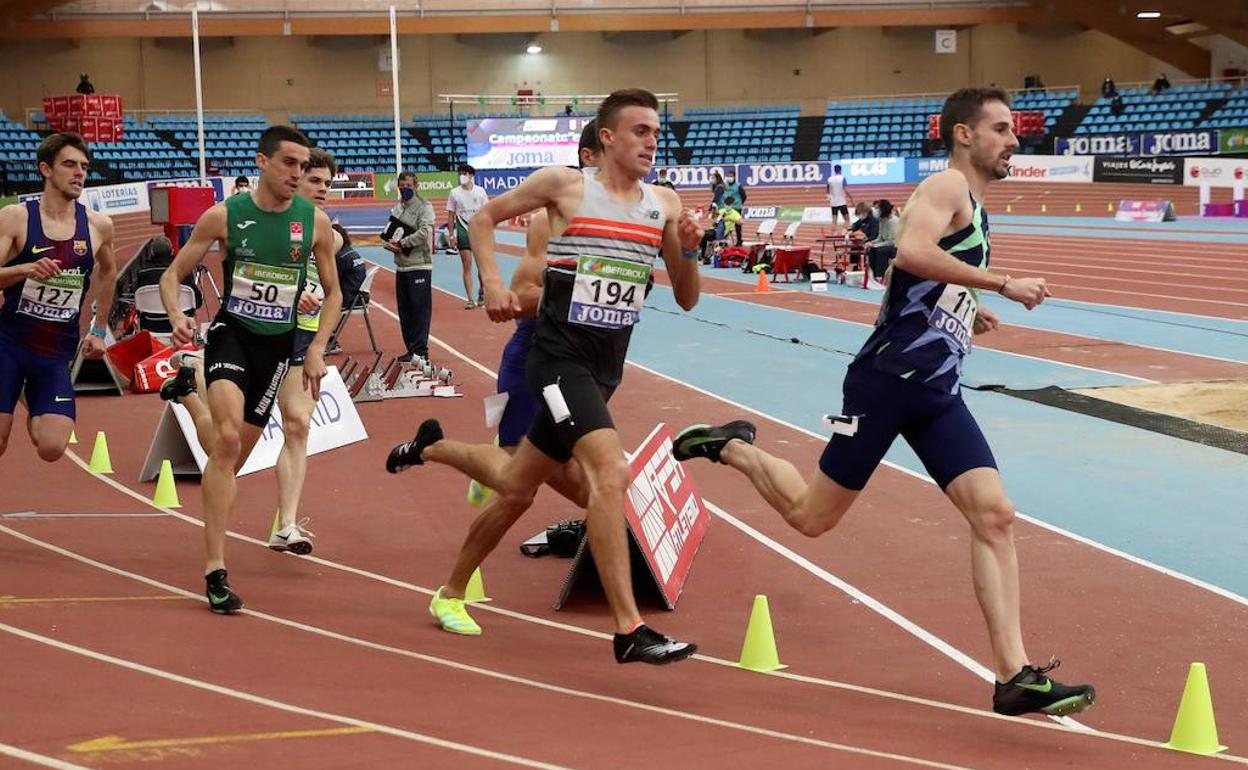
(397, 379)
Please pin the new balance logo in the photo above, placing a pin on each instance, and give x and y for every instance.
(245, 224)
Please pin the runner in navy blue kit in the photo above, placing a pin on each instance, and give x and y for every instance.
(609, 229)
(50, 249)
(482, 463)
(906, 382)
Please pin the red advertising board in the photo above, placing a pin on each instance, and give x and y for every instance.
(666, 517)
(665, 513)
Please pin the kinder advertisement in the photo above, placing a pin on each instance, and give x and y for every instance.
(1216, 172)
(1050, 168)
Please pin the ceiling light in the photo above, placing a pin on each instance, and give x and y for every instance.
(1148, 15)
(534, 48)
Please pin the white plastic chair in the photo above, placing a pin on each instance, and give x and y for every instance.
(358, 306)
(151, 309)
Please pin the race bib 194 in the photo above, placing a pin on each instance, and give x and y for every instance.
(263, 292)
(55, 299)
(954, 315)
(608, 293)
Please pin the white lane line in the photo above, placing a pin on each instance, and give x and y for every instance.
(38, 759)
(261, 700)
(543, 621)
(1222, 592)
(930, 639)
(432, 659)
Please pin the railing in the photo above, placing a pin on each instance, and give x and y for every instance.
(941, 95)
(1236, 83)
(35, 119)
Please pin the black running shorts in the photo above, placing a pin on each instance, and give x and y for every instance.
(572, 403)
(256, 363)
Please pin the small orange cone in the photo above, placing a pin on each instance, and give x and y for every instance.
(763, 285)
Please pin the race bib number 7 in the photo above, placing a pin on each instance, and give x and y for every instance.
(56, 299)
(264, 292)
(954, 315)
(608, 293)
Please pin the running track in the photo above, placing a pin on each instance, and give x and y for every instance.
(340, 644)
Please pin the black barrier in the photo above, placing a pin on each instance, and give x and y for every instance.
(1138, 170)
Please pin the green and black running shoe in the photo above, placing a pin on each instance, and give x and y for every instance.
(221, 599)
(1031, 691)
(709, 440)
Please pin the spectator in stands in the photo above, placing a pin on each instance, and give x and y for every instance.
(717, 190)
(84, 84)
(663, 181)
(241, 185)
(1116, 105)
(1108, 88)
(1162, 83)
(409, 236)
(734, 191)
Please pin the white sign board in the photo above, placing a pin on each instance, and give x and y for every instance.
(946, 41)
(335, 423)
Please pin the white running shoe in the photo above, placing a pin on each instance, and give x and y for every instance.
(295, 538)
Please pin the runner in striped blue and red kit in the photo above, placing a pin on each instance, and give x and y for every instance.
(50, 249)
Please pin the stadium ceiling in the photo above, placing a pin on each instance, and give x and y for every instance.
(1167, 38)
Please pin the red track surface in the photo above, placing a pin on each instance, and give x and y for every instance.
(540, 684)
(905, 546)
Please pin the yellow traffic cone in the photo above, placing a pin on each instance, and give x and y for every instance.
(99, 456)
(166, 491)
(73, 437)
(1194, 728)
(474, 593)
(478, 494)
(1009, 208)
(1044, 208)
(1078, 208)
(1109, 208)
(759, 651)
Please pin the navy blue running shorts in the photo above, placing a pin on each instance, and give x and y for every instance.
(45, 380)
(879, 407)
(521, 406)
